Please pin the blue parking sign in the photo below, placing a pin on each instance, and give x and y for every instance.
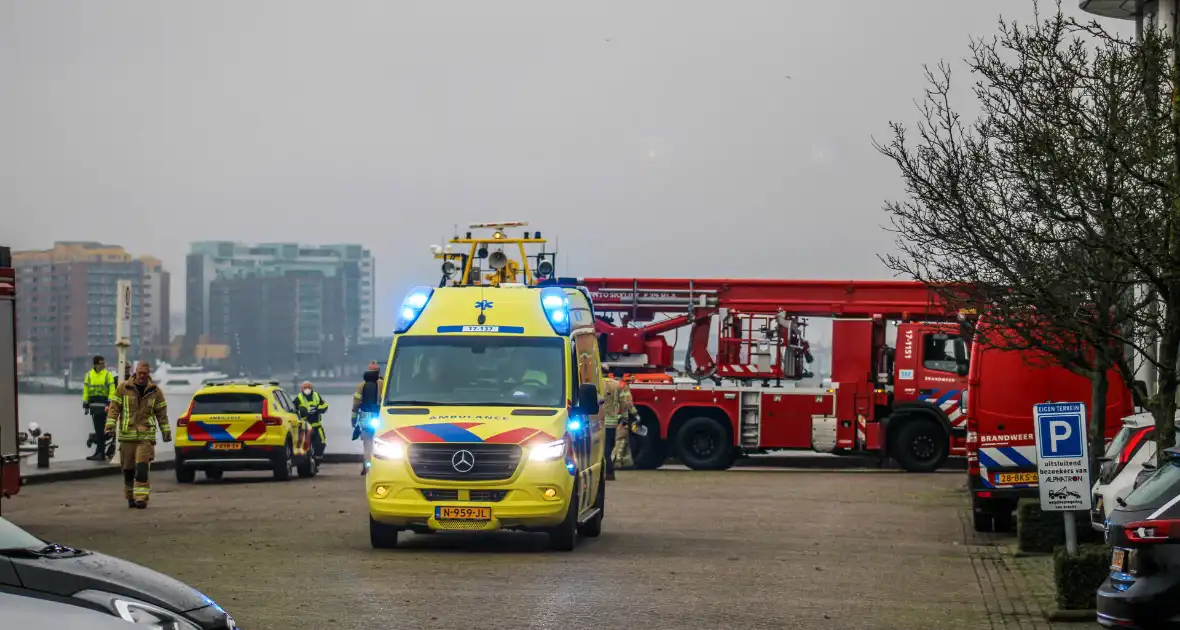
(1061, 430)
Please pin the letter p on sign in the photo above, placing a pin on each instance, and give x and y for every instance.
(1061, 435)
(1059, 431)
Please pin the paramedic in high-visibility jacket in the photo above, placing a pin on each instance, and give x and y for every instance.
(98, 388)
(137, 409)
(313, 407)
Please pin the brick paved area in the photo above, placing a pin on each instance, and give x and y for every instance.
(821, 550)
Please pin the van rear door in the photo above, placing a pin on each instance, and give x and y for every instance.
(1001, 405)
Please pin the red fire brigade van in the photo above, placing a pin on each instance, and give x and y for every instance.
(1001, 449)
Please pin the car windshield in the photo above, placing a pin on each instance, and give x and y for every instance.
(1161, 486)
(478, 370)
(13, 537)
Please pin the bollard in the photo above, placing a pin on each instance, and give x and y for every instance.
(44, 450)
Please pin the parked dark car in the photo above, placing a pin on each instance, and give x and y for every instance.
(19, 611)
(34, 567)
(1143, 589)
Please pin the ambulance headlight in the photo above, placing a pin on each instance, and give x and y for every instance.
(557, 309)
(412, 307)
(547, 451)
(388, 449)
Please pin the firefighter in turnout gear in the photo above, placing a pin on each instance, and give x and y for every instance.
(98, 388)
(313, 407)
(366, 407)
(137, 409)
(612, 392)
(628, 416)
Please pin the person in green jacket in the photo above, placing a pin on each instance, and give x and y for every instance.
(98, 388)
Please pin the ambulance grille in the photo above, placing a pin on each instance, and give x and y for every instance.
(454, 524)
(493, 462)
(483, 496)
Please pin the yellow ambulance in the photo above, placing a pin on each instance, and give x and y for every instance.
(490, 416)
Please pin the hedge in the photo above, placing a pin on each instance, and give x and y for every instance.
(1078, 576)
(1041, 532)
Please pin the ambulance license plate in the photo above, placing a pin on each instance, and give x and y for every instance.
(1118, 560)
(226, 446)
(463, 513)
(1008, 478)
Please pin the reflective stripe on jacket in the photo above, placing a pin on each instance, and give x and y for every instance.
(98, 387)
(137, 417)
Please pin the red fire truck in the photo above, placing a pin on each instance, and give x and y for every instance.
(901, 401)
(9, 449)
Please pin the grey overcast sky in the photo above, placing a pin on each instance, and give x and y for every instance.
(654, 137)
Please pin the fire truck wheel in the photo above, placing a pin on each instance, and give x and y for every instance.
(648, 452)
(704, 444)
(921, 445)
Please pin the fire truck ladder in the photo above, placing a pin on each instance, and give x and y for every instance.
(751, 418)
(780, 303)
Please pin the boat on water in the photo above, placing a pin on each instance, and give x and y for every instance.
(184, 380)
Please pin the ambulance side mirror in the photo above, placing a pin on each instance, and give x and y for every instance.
(587, 400)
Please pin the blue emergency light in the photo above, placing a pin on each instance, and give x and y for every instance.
(557, 309)
(412, 307)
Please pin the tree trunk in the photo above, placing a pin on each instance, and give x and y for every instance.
(1099, 385)
(1164, 407)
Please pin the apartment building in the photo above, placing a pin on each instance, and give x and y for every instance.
(66, 313)
(308, 302)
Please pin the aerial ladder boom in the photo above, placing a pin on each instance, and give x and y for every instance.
(761, 334)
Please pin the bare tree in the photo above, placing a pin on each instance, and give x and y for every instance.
(1035, 212)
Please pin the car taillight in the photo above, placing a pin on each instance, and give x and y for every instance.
(1160, 531)
(182, 421)
(271, 421)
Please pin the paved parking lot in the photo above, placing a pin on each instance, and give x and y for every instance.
(680, 550)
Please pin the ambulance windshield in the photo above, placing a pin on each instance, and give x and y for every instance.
(473, 370)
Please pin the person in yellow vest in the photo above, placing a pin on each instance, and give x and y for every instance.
(611, 392)
(621, 454)
(313, 407)
(137, 410)
(98, 388)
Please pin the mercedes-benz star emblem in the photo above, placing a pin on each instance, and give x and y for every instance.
(463, 461)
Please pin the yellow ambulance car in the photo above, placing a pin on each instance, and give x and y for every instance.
(491, 416)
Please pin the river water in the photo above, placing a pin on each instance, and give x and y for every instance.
(61, 415)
